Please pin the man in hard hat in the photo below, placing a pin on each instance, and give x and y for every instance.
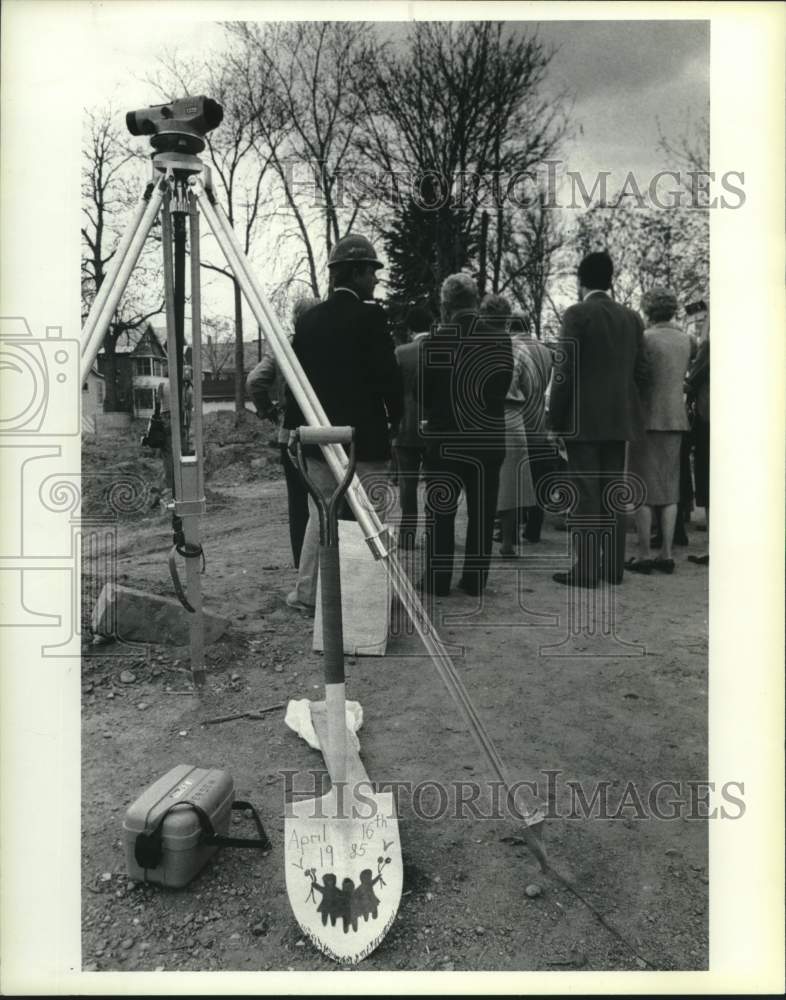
(347, 354)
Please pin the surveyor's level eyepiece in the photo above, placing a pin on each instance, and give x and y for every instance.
(179, 126)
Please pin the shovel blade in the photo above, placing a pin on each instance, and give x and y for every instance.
(344, 871)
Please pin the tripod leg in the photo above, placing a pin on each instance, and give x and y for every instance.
(189, 502)
(192, 468)
(114, 284)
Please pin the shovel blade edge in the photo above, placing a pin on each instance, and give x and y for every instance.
(344, 872)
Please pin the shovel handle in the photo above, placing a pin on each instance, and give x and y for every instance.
(332, 623)
(325, 435)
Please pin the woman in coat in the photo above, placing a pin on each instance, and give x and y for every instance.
(655, 459)
(515, 479)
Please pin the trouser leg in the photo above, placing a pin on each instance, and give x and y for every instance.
(481, 483)
(409, 461)
(297, 504)
(585, 470)
(541, 465)
(443, 488)
(613, 487)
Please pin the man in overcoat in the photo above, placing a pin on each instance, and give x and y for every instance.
(595, 406)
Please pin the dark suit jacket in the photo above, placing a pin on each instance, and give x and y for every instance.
(595, 390)
(347, 354)
(408, 357)
(467, 367)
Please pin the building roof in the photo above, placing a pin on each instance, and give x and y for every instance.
(225, 351)
(149, 345)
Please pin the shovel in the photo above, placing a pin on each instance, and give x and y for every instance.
(344, 870)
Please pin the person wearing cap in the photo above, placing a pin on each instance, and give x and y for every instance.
(467, 369)
(655, 458)
(346, 351)
(595, 406)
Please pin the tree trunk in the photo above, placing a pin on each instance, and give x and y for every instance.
(110, 374)
(484, 235)
(240, 387)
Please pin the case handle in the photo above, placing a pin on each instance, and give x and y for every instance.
(149, 849)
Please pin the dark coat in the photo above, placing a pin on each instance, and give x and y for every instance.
(347, 354)
(408, 357)
(600, 365)
(467, 367)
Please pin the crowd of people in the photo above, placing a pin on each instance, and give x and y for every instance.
(471, 405)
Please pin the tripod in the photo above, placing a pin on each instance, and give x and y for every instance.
(169, 192)
(185, 188)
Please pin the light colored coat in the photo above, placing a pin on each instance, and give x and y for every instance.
(668, 350)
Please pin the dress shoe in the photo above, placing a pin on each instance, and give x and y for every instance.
(700, 560)
(467, 588)
(571, 579)
(636, 565)
(663, 565)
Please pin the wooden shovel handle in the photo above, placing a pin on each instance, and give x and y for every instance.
(325, 435)
(332, 624)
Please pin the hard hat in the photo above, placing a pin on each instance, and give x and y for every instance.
(353, 249)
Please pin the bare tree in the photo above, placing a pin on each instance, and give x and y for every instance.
(530, 259)
(107, 202)
(691, 148)
(301, 74)
(451, 117)
(648, 245)
(219, 346)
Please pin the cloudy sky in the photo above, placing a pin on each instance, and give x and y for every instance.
(625, 77)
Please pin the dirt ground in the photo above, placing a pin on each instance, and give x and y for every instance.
(606, 713)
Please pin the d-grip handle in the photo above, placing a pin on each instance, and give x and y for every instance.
(325, 435)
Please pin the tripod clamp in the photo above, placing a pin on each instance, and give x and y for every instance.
(188, 550)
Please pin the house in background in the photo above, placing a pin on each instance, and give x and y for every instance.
(138, 371)
(93, 391)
